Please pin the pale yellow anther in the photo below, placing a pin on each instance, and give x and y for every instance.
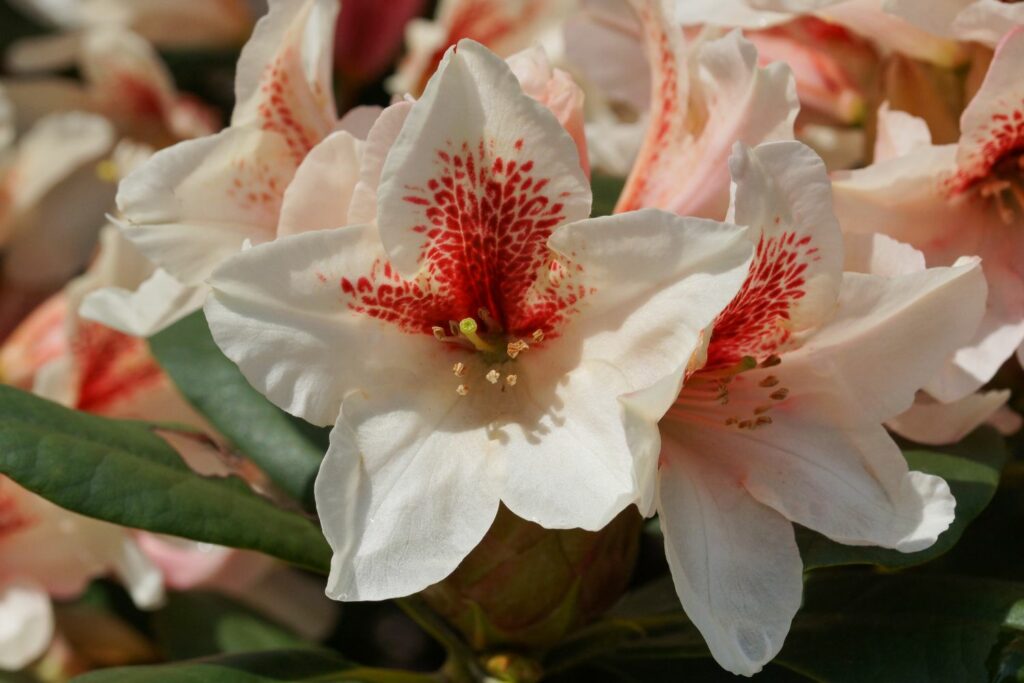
(107, 171)
(459, 369)
(462, 390)
(438, 332)
(538, 336)
(511, 380)
(493, 376)
(516, 347)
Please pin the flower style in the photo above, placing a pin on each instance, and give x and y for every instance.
(781, 420)
(479, 347)
(504, 26)
(703, 100)
(951, 200)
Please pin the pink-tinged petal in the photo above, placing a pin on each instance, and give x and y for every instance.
(479, 177)
(899, 134)
(359, 120)
(934, 16)
(886, 317)
(987, 21)
(727, 13)
(26, 623)
(306, 297)
(112, 369)
(321, 191)
(385, 130)
(934, 423)
(39, 339)
(734, 561)
(504, 27)
(682, 165)
(192, 205)
(824, 58)
(556, 90)
(993, 124)
(283, 82)
(783, 193)
(409, 485)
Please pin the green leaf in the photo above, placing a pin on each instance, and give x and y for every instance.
(256, 667)
(857, 627)
(288, 449)
(121, 471)
(199, 624)
(854, 626)
(972, 470)
(606, 191)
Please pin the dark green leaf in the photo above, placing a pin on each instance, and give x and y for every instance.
(200, 624)
(256, 667)
(606, 191)
(972, 470)
(123, 472)
(288, 449)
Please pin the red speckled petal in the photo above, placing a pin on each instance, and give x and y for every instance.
(993, 124)
(476, 182)
(284, 74)
(682, 164)
(783, 193)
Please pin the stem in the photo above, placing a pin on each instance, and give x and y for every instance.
(461, 665)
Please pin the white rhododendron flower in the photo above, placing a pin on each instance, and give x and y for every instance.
(780, 419)
(704, 98)
(482, 345)
(955, 200)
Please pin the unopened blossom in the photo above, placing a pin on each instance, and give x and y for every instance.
(703, 99)
(958, 199)
(504, 26)
(369, 35)
(780, 419)
(477, 344)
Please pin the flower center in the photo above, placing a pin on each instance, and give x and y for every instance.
(1004, 185)
(492, 346)
(707, 395)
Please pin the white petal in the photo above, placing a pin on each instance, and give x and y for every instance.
(879, 254)
(26, 623)
(934, 16)
(321, 191)
(934, 423)
(142, 578)
(987, 21)
(567, 456)
(658, 280)
(408, 488)
(604, 43)
(872, 355)
(729, 13)
(157, 303)
(382, 135)
(192, 205)
(359, 120)
(734, 561)
(899, 133)
(283, 80)
(311, 348)
(474, 115)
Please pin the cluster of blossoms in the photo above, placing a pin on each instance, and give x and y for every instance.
(774, 292)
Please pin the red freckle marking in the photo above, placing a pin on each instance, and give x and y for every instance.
(519, 145)
(486, 223)
(112, 367)
(754, 323)
(321, 277)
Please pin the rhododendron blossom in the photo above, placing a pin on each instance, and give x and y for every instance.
(481, 345)
(955, 200)
(780, 419)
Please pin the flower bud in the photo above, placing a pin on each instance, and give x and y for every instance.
(527, 586)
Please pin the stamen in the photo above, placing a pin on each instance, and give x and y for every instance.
(439, 333)
(779, 395)
(516, 347)
(769, 381)
(468, 328)
(511, 380)
(493, 376)
(462, 390)
(771, 361)
(538, 336)
(488, 319)
(459, 369)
